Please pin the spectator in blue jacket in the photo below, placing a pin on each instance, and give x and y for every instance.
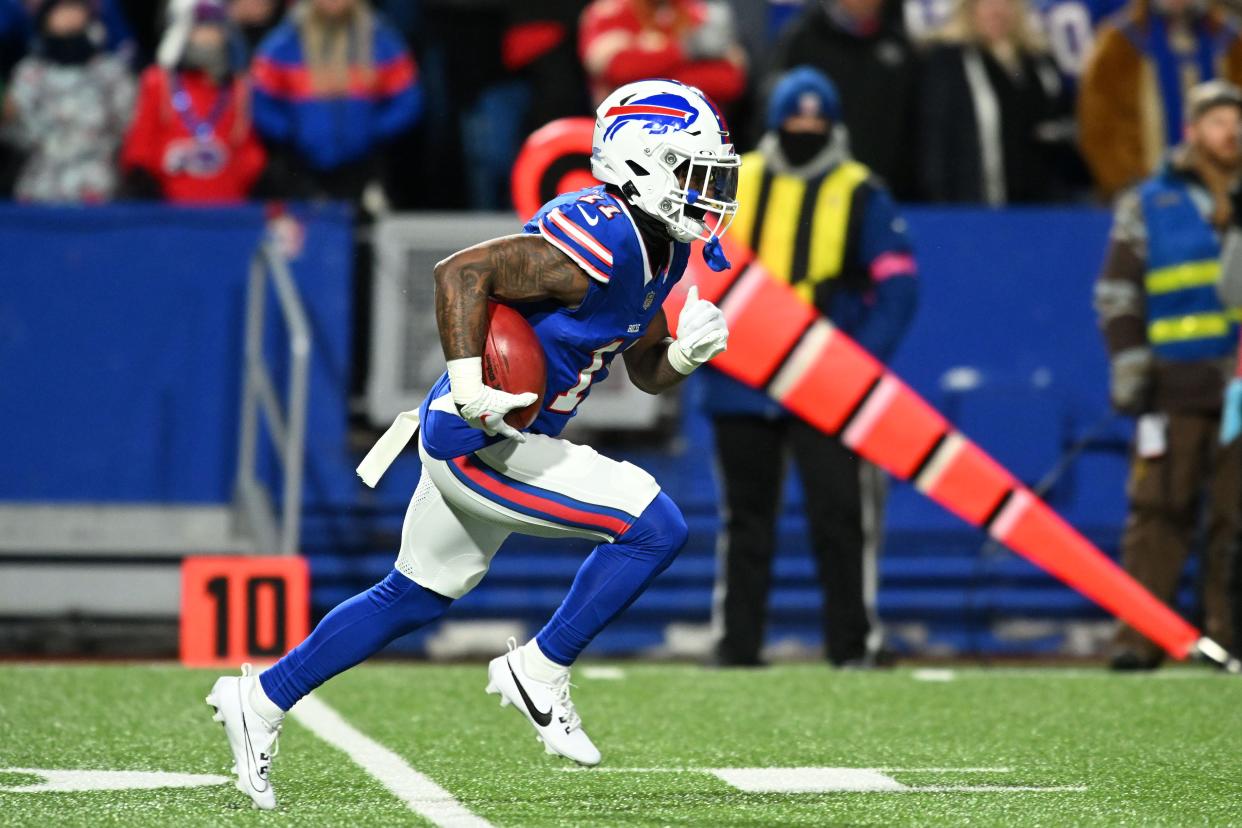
(823, 223)
(333, 85)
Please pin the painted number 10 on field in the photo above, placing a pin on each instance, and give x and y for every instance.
(236, 609)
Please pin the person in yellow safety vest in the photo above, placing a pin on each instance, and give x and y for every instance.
(822, 222)
(1172, 345)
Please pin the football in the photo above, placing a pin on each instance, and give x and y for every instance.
(513, 360)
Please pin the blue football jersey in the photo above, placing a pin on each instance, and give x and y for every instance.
(596, 231)
(1069, 26)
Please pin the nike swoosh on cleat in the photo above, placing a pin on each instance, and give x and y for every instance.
(542, 719)
(261, 772)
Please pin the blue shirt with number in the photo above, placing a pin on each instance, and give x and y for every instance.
(597, 231)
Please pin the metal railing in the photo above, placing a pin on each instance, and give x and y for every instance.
(254, 503)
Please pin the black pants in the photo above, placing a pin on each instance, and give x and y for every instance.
(751, 452)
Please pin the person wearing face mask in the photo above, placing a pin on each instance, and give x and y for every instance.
(67, 107)
(822, 222)
(1135, 84)
(192, 139)
(995, 114)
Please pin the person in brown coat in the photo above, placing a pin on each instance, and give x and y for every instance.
(1133, 89)
(1172, 345)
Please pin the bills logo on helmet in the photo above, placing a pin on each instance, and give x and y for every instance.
(659, 114)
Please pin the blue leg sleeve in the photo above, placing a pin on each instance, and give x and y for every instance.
(612, 577)
(354, 631)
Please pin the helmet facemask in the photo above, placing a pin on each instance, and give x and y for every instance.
(700, 200)
(666, 146)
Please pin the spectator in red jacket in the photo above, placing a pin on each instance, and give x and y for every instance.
(192, 139)
(692, 41)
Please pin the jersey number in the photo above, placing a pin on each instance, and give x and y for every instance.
(567, 402)
(1070, 35)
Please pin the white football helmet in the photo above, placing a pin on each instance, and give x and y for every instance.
(666, 146)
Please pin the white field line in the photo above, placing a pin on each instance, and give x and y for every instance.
(580, 769)
(603, 672)
(994, 789)
(423, 796)
(934, 675)
(720, 774)
(942, 770)
(937, 674)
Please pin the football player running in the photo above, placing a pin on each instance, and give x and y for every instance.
(590, 273)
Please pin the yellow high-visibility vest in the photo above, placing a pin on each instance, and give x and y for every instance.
(798, 228)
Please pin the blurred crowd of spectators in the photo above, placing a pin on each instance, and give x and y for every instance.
(425, 103)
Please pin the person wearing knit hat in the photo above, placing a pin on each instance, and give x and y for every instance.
(823, 223)
(192, 139)
(1172, 344)
(800, 106)
(1203, 100)
(1207, 96)
(69, 103)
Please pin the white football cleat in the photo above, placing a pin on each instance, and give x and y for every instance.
(251, 738)
(546, 706)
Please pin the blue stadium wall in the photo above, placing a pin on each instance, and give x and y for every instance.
(120, 356)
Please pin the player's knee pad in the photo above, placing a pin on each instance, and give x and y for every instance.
(406, 603)
(659, 532)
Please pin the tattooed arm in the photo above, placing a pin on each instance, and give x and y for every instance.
(515, 269)
(523, 268)
(646, 361)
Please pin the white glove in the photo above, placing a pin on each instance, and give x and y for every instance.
(482, 406)
(701, 334)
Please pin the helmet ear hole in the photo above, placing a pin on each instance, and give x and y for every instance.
(637, 169)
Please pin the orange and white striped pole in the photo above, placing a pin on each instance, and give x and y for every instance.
(779, 343)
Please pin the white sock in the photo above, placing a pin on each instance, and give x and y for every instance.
(538, 666)
(265, 707)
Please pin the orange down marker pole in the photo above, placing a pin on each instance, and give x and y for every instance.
(780, 344)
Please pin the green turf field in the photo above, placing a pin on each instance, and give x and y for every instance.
(1154, 749)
